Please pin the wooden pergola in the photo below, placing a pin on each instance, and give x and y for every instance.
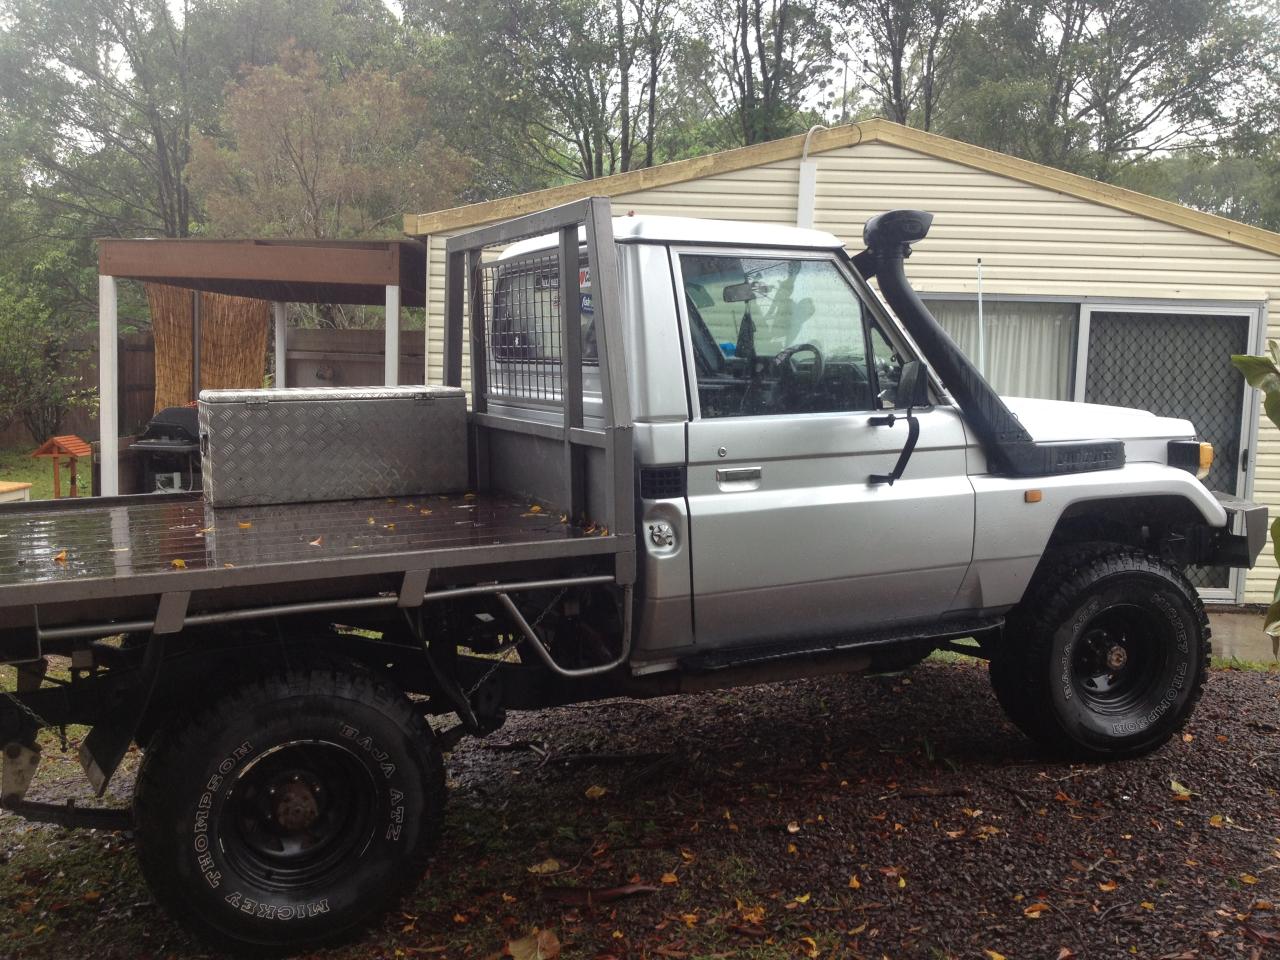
(388, 273)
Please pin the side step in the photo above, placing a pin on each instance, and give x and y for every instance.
(778, 650)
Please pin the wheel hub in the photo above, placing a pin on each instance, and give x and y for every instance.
(298, 812)
(1117, 657)
(296, 807)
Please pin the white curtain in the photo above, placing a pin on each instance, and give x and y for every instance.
(1030, 346)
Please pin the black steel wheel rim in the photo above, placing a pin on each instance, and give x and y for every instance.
(1117, 660)
(298, 814)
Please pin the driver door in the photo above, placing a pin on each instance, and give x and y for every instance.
(788, 537)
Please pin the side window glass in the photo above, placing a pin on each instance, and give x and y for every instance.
(775, 335)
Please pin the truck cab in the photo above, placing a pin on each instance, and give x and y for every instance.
(764, 376)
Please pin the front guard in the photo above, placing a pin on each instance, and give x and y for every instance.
(1239, 542)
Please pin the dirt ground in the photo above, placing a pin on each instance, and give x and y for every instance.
(879, 818)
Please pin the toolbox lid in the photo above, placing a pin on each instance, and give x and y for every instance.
(289, 394)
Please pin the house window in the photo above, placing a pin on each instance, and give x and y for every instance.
(1030, 346)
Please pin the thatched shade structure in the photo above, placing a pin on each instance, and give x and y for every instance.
(275, 272)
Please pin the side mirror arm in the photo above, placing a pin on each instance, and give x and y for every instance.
(911, 382)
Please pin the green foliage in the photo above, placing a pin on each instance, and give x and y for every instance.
(1263, 373)
(313, 158)
(39, 358)
(1092, 86)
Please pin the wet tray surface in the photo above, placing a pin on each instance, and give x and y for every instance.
(175, 534)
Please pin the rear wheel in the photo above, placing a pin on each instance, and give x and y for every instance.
(290, 811)
(1106, 656)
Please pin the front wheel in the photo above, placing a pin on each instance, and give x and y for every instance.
(291, 810)
(1106, 656)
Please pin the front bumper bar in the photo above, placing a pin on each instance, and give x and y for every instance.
(1241, 540)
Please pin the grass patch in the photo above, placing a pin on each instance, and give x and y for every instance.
(1250, 666)
(18, 466)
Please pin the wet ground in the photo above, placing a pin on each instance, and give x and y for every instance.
(1238, 633)
(878, 818)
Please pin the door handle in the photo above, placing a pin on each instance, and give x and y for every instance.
(737, 474)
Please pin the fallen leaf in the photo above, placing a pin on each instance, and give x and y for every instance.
(1147, 905)
(508, 898)
(534, 509)
(318, 541)
(858, 929)
(1066, 953)
(690, 919)
(459, 918)
(1248, 878)
(1188, 737)
(206, 529)
(228, 566)
(753, 915)
(812, 945)
(550, 865)
(670, 879)
(389, 526)
(902, 883)
(994, 955)
(1034, 910)
(1108, 886)
(804, 897)
(854, 882)
(687, 856)
(1217, 821)
(541, 945)
(595, 792)
(92, 896)
(60, 557)
(1179, 791)
(178, 563)
(793, 827)
(371, 521)
(245, 524)
(425, 511)
(468, 496)
(585, 896)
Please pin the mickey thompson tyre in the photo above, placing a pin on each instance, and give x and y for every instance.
(1106, 655)
(290, 811)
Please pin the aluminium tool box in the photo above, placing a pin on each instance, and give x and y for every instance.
(299, 445)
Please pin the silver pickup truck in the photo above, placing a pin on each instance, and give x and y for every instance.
(700, 454)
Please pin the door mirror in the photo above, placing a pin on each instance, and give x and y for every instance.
(913, 385)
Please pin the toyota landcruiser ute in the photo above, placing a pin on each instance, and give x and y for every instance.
(698, 454)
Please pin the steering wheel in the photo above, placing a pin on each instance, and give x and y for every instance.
(785, 362)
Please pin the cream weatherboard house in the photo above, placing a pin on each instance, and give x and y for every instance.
(1087, 291)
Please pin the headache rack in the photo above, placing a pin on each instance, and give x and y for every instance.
(550, 398)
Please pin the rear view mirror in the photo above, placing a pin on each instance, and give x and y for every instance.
(739, 292)
(913, 385)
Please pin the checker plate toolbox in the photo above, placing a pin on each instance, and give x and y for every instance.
(302, 445)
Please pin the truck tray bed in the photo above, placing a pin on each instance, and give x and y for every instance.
(78, 550)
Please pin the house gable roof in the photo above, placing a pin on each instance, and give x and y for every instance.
(867, 131)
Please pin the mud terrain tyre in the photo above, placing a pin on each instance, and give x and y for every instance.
(291, 810)
(1106, 656)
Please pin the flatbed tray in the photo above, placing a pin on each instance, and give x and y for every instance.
(75, 550)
